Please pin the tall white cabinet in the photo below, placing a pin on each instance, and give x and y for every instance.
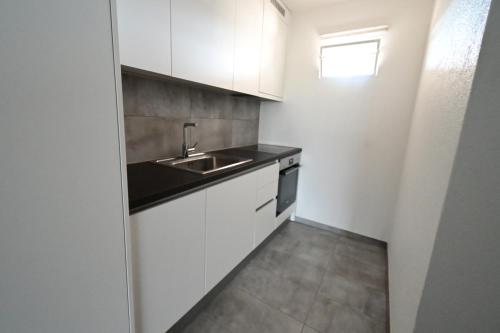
(168, 250)
(144, 31)
(203, 41)
(62, 206)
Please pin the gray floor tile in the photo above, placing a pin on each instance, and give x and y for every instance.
(203, 324)
(376, 305)
(361, 252)
(308, 233)
(303, 243)
(347, 292)
(237, 311)
(350, 321)
(364, 244)
(344, 291)
(289, 296)
(328, 316)
(307, 329)
(281, 243)
(286, 265)
(321, 313)
(370, 275)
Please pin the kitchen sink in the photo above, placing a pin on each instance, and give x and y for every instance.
(205, 163)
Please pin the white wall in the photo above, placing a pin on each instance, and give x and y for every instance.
(62, 251)
(446, 81)
(353, 132)
(461, 292)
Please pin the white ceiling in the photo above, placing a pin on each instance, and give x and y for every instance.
(298, 5)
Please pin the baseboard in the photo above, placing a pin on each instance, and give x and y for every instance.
(341, 232)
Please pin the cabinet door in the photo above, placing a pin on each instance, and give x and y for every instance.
(168, 244)
(265, 222)
(274, 37)
(203, 41)
(144, 34)
(230, 226)
(247, 49)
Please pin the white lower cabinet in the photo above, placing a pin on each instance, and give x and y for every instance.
(230, 226)
(168, 261)
(183, 248)
(265, 203)
(268, 175)
(265, 222)
(266, 193)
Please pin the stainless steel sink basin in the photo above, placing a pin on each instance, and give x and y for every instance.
(205, 163)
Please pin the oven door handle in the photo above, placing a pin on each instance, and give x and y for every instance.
(290, 170)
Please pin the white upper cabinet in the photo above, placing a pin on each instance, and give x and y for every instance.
(203, 34)
(144, 34)
(247, 48)
(274, 36)
(236, 45)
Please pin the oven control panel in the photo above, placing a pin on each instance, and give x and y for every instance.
(289, 161)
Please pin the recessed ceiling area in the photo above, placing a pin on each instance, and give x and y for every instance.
(298, 5)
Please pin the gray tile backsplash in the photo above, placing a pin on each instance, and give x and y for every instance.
(155, 111)
(244, 131)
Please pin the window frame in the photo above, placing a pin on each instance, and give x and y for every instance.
(374, 34)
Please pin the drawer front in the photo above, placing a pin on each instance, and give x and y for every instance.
(267, 175)
(266, 193)
(265, 222)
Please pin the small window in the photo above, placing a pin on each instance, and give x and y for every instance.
(346, 60)
(351, 54)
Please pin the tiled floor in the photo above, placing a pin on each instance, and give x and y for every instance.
(305, 280)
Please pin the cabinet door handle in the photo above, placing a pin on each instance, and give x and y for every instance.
(264, 205)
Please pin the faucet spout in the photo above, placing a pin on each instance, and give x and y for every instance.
(187, 148)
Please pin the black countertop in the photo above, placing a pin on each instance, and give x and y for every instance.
(150, 184)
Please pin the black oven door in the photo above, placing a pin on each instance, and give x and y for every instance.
(287, 189)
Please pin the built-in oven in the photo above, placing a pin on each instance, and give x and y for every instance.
(288, 182)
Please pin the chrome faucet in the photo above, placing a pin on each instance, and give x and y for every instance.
(187, 149)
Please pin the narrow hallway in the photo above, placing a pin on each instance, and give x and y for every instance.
(304, 280)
